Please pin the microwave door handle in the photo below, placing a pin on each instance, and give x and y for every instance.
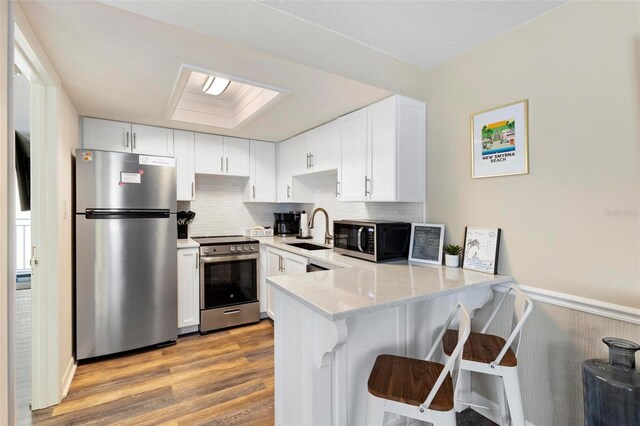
(360, 238)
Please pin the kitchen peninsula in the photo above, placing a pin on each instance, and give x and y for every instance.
(331, 324)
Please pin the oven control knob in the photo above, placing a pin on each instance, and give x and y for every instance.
(239, 248)
(247, 248)
(253, 247)
(232, 248)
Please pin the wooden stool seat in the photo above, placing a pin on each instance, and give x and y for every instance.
(479, 347)
(409, 381)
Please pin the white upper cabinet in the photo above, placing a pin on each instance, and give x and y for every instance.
(237, 155)
(151, 140)
(221, 155)
(326, 141)
(184, 150)
(384, 152)
(117, 136)
(352, 185)
(209, 150)
(262, 179)
(106, 135)
(284, 181)
(381, 151)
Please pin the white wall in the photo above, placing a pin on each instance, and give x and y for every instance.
(573, 223)
(325, 191)
(58, 286)
(69, 140)
(220, 209)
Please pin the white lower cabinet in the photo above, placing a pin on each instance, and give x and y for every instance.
(188, 288)
(280, 262)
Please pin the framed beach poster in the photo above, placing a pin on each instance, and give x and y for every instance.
(480, 250)
(499, 141)
(426, 243)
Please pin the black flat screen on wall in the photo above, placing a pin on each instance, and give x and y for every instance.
(23, 170)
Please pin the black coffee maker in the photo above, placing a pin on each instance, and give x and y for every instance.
(287, 223)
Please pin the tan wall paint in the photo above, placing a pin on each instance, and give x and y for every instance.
(578, 66)
(69, 140)
(4, 202)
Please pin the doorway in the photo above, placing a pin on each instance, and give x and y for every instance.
(22, 126)
(34, 339)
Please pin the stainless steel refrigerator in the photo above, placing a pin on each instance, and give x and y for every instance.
(126, 262)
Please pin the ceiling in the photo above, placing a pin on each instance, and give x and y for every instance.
(120, 65)
(423, 33)
(121, 60)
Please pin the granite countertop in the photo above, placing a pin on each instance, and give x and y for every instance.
(357, 286)
(187, 243)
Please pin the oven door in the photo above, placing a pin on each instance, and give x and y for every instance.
(228, 280)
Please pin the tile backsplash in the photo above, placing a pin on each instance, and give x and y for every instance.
(220, 209)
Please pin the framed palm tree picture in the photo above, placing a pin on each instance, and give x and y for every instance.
(480, 250)
(499, 141)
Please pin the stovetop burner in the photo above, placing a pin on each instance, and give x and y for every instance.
(217, 240)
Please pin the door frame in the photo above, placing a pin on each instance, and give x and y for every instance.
(45, 277)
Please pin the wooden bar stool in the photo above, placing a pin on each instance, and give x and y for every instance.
(423, 390)
(492, 355)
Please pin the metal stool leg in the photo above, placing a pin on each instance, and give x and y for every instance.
(514, 398)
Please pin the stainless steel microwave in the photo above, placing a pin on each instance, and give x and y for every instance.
(374, 240)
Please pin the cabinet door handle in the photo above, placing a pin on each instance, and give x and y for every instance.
(222, 164)
(311, 159)
(366, 189)
(227, 164)
(133, 145)
(279, 263)
(126, 144)
(197, 260)
(193, 190)
(337, 188)
(307, 160)
(253, 189)
(288, 191)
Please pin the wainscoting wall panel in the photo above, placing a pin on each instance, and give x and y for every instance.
(555, 341)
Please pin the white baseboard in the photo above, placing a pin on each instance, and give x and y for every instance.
(69, 372)
(189, 329)
(577, 303)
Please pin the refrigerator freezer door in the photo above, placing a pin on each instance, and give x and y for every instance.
(126, 292)
(114, 180)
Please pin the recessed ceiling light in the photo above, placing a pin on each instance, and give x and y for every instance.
(215, 85)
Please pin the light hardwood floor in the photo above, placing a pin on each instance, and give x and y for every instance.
(220, 378)
(23, 356)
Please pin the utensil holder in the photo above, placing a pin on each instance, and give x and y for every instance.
(183, 232)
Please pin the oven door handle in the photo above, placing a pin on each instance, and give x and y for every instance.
(225, 258)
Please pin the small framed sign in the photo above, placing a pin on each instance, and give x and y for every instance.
(480, 250)
(426, 243)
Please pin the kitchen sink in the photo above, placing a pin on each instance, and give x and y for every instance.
(308, 246)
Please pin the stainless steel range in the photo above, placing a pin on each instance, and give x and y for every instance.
(228, 281)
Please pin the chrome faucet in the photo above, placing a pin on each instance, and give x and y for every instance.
(327, 235)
